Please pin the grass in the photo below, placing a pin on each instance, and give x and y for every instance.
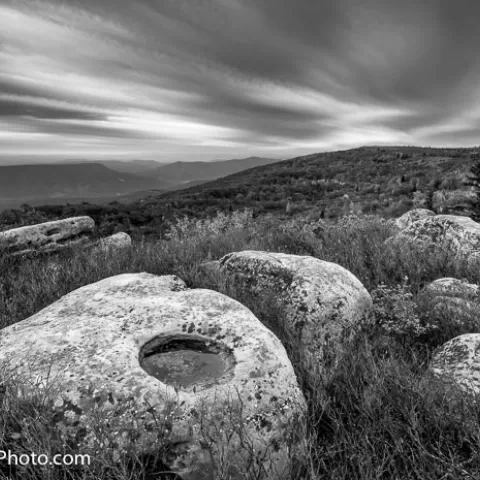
(370, 418)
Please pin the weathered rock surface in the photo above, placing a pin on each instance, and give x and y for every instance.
(456, 365)
(453, 202)
(322, 300)
(95, 344)
(453, 301)
(47, 237)
(458, 236)
(412, 216)
(453, 287)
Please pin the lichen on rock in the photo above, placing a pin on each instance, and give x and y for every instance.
(321, 300)
(456, 367)
(88, 346)
(456, 236)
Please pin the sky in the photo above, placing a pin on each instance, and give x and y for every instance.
(187, 80)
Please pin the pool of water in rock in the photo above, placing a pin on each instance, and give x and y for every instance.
(182, 367)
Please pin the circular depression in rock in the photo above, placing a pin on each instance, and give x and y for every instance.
(187, 363)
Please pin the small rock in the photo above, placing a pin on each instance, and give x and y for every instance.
(456, 366)
(115, 242)
(453, 301)
(412, 216)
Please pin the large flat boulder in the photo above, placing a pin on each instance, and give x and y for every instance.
(321, 300)
(458, 236)
(180, 364)
(47, 237)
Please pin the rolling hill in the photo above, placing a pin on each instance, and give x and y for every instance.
(376, 179)
(66, 181)
(387, 181)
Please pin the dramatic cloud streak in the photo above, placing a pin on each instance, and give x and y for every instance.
(216, 78)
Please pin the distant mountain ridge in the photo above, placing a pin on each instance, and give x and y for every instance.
(136, 167)
(108, 180)
(68, 180)
(185, 172)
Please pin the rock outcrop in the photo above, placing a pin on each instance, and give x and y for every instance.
(53, 237)
(146, 344)
(458, 237)
(47, 237)
(412, 216)
(455, 303)
(456, 366)
(321, 300)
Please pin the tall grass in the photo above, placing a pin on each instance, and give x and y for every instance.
(370, 418)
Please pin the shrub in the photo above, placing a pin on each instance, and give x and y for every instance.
(396, 312)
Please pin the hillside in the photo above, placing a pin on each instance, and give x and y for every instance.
(59, 181)
(380, 180)
(384, 181)
(186, 172)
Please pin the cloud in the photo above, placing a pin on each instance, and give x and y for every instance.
(227, 77)
(10, 107)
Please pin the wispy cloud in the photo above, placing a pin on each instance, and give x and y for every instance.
(218, 78)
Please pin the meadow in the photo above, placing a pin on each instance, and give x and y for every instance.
(370, 419)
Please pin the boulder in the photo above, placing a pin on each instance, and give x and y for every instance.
(453, 288)
(47, 237)
(412, 216)
(181, 365)
(458, 237)
(115, 242)
(456, 367)
(321, 300)
(453, 301)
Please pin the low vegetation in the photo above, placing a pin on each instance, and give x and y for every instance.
(372, 418)
(384, 181)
